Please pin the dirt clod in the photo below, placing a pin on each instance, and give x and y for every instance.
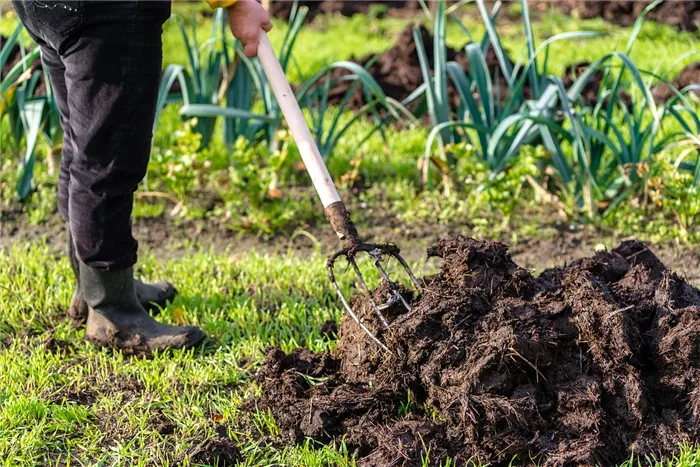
(397, 70)
(329, 329)
(584, 365)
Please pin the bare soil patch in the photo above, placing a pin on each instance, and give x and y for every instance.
(398, 72)
(221, 451)
(583, 364)
(690, 75)
(682, 14)
(170, 239)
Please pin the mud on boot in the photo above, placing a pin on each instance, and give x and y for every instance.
(153, 297)
(117, 319)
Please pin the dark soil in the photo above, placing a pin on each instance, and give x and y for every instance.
(589, 94)
(684, 14)
(584, 365)
(690, 75)
(162, 424)
(397, 70)
(12, 58)
(398, 73)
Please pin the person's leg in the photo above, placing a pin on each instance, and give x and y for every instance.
(152, 296)
(111, 52)
(113, 68)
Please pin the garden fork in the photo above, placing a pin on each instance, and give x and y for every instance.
(334, 208)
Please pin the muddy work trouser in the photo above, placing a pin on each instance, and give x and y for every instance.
(104, 62)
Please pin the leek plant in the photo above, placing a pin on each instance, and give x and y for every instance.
(612, 144)
(313, 95)
(207, 96)
(495, 125)
(686, 115)
(30, 115)
(205, 85)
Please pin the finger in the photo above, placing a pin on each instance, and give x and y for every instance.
(267, 25)
(251, 49)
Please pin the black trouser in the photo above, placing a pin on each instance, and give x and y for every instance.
(104, 61)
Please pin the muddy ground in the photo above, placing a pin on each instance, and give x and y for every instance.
(581, 365)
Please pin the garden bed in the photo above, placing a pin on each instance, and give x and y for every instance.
(167, 239)
(586, 364)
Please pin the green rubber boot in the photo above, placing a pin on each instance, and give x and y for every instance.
(116, 318)
(153, 297)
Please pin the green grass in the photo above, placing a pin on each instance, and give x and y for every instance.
(70, 404)
(244, 304)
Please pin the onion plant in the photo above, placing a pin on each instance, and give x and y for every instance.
(686, 115)
(313, 95)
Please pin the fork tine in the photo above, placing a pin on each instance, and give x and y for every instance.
(348, 309)
(408, 307)
(376, 251)
(376, 256)
(367, 291)
(355, 318)
(408, 270)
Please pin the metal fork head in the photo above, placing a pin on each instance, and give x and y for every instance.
(376, 253)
